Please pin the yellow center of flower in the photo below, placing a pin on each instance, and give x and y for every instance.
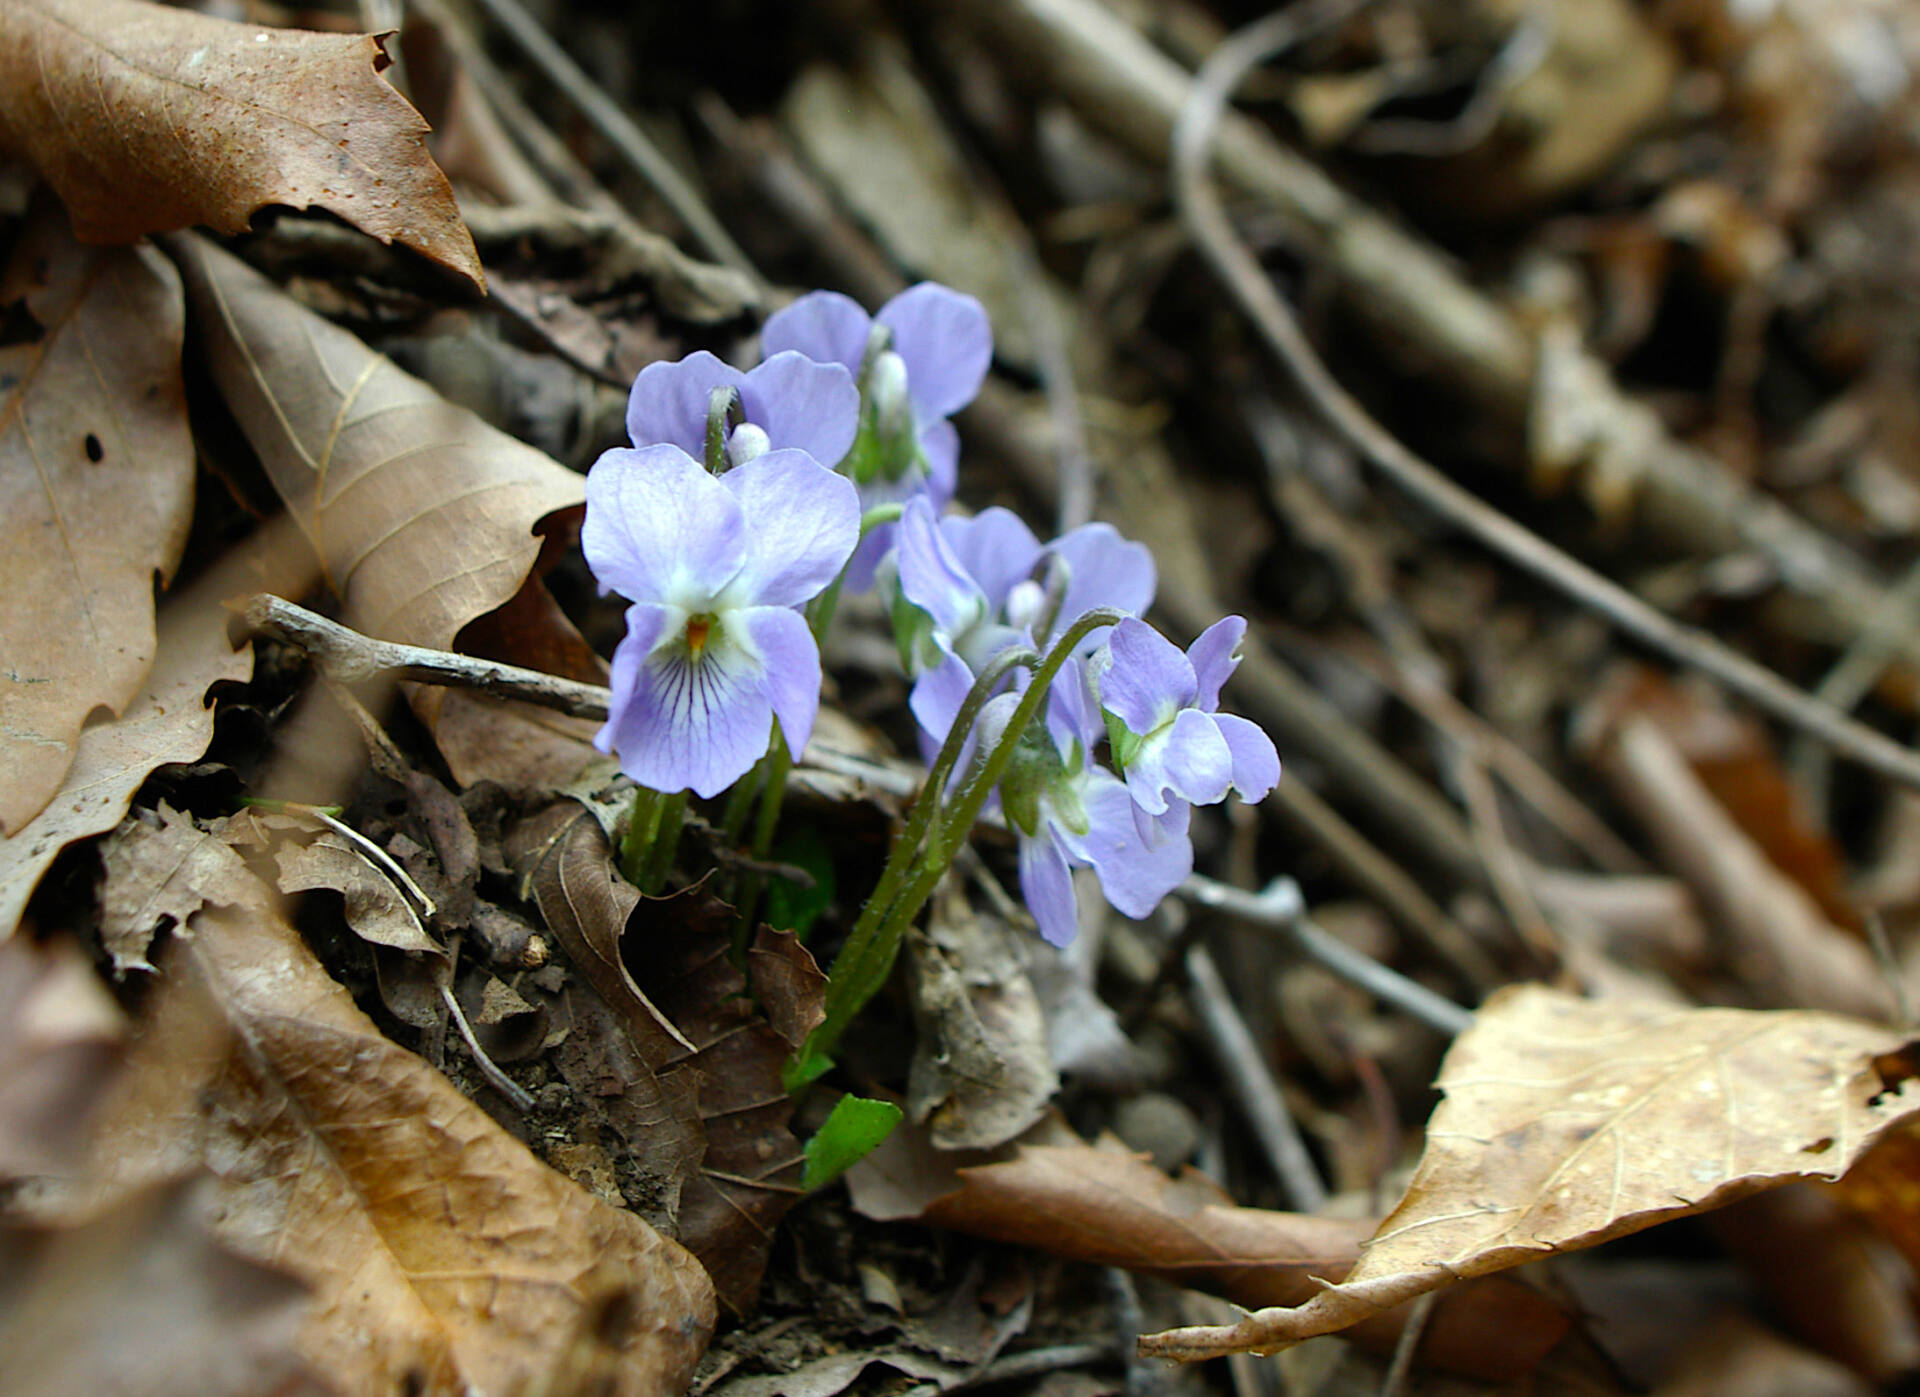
(698, 628)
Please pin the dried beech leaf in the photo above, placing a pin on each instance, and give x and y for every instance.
(443, 1256)
(160, 874)
(168, 722)
(141, 1298)
(60, 1032)
(146, 118)
(96, 492)
(374, 907)
(421, 514)
(1568, 1122)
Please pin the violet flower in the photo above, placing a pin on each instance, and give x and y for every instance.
(917, 362)
(1069, 813)
(789, 401)
(1164, 732)
(715, 567)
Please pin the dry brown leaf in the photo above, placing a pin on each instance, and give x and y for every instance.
(142, 1299)
(1568, 1122)
(421, 514)
(444, 1257)
(146, 118)
(96, 492)
(1110, 1207)
(375, 908)
(60, 1032)
(160, 870)
(168, 722)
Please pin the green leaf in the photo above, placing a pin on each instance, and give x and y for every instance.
(852, 1131)
(790, 906)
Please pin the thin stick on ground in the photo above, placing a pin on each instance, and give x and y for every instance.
(1254, 292)
(1247, 1074)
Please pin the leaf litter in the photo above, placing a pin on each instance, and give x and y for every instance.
(654, 1056)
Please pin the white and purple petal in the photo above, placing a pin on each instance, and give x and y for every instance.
(686, 722)
(801, 522)
(1104, 569)
(1256, 765)
(659, 528)
(1135, 872)
(827, 327)
(1214, 657)
(994, 547)
(669, 401)
(932, 576)
(944, 337)
(1147, 679)
(1047, 885)
(790, 660)
(808, 406)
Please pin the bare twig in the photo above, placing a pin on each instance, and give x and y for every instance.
(1279, 906)
(1247, 1073)
(522, 1100)
(1254, 291)
(354, 658)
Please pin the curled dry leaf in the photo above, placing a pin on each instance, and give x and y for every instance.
(421, 514)
(96, 491)
(146, 118)
(444, 1257)
(168, 722)
(1568, 1122)
(157, 875)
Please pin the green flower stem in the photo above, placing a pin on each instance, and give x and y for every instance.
(778, 762)
(643, 826)
(666, 843)
(953, 830)
(871, 947)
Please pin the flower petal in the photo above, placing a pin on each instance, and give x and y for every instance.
(647, 625)
(1196, 763)
(940, 444)
(995, 547)
(708, 719)
(1256, 765)
(1147, 679)
(937, 696)
(811, 407)
(1214, 659)
(932, 576)
(659, 528)
(1047, 886)
(1135, 873)
(801, 521)
(790, 659)
(827, 327)
(947, 344)
(1104, 570)
(669, 401)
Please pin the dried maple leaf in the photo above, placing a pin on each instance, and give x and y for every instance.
(443, 1256)
(96, 493)
(1567, 1122)
(421, 514)
(146, 118)
(168, 722)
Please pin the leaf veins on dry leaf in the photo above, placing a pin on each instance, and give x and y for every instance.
(1568, 1122)
(146, 118)
(443, 1256)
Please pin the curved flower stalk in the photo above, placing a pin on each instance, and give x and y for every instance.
(1163, 727)
(714, 567)
(918, 361)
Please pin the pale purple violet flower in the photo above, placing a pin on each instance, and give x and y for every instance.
(787, 401)
(1165, 733)
(939, 346)
(714, 567)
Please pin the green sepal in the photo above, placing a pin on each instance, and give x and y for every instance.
(1122, 742)
(853, 1130)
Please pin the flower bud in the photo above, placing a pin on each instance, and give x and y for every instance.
(744, 443)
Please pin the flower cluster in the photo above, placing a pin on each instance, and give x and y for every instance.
(742, 499)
